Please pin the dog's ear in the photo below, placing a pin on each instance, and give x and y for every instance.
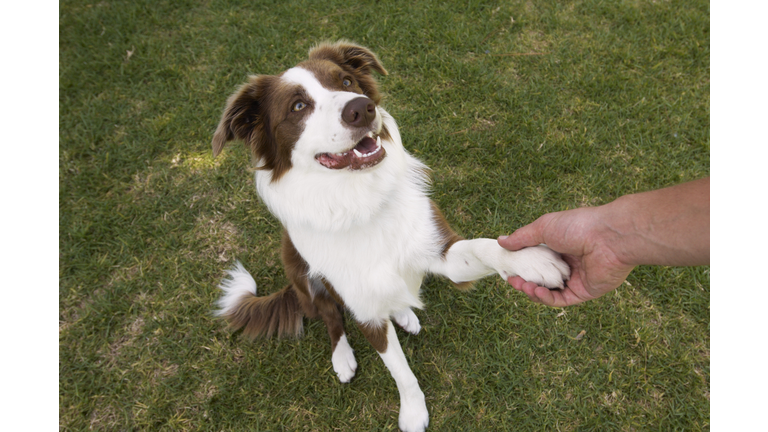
(345, 53)
(240, 116)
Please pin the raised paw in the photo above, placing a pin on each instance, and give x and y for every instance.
(343, 360)
(540, 265)
(408, 321)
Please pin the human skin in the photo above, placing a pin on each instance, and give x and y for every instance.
(603, 244)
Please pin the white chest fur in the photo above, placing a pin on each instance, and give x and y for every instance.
(370, 233)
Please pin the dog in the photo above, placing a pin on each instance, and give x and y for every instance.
(360, 231)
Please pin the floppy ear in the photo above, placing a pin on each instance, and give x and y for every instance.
(345, 53)
(239, 117)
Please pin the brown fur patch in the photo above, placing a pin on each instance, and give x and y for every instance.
(295, 267)
(260, 114)
(331, 76)
(332, 315)
(277, 314)
(384, 134)
(376, 335)
(355, 60)
(447, 235)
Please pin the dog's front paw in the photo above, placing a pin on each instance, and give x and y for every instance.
(408, 321)
(414, 416)
(343, 360)
(540, 265)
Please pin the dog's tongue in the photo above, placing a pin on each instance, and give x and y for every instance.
(365, 154)
(334, 161)
(366, 145)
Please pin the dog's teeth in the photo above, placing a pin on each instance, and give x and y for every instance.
(357, 153)
(378, 142)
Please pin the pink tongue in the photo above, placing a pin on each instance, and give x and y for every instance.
(366, 145)
(333, 161)
(350, 159)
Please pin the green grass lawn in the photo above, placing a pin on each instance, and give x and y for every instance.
(520, 108)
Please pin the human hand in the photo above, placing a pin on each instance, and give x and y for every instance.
(584, 241)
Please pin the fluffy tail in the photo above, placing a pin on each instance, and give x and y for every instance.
(276, 314)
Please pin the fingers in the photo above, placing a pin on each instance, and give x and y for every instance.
(517, 282)
(529, 235)
(543, 295)
(528, 288)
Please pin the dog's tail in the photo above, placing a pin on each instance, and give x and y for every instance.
(276, 314)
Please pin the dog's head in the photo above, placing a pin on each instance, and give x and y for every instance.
(320, 115)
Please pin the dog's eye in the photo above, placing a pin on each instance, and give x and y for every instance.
(298, 106)
(347, 82)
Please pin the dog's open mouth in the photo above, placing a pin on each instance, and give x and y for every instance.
(367, 153)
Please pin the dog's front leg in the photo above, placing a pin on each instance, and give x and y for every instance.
(408, 321)
(413, 409)
(468, 260)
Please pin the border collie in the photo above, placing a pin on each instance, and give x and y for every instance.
(360, 231)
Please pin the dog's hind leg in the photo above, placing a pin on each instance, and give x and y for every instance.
(414, 416)
(317, 298)
(330, 311)
(343, 360)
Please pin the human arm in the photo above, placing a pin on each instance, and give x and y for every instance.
(603, 244)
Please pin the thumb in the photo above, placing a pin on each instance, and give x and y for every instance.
(529, 235)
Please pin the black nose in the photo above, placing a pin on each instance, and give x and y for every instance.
(359, 112)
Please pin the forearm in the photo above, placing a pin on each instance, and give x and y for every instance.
(663, 227)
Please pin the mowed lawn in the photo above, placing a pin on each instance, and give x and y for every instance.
(520, 108)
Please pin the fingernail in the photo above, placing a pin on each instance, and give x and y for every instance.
(501, 238)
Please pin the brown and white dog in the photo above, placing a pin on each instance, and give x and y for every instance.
(360, 232)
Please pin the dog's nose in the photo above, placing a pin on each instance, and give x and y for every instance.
(359, 112)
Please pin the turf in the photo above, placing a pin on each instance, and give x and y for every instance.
(520, 108)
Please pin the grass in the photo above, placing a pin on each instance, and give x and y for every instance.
(520, 108)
